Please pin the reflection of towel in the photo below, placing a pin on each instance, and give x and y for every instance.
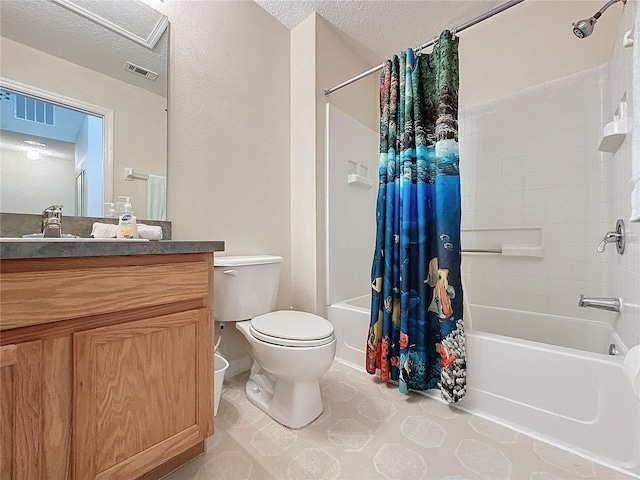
(635, 135)
(104, 230)
(156, 197)
(150, 232)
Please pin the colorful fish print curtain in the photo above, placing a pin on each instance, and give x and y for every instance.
(416, 334)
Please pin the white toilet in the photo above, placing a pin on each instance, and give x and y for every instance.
(290, 349)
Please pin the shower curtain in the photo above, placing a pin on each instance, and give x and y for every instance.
(416, 334)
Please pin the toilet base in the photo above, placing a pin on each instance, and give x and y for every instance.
(294, 404)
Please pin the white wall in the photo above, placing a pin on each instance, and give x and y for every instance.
(623, 270)
(139, 114)
(530, 160)
(229, 171)
(322, 59)
(304, 175)
(350, 208)
(52, 178)
(229, 156)
(336, 61)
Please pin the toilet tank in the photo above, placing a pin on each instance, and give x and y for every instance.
(245, 286)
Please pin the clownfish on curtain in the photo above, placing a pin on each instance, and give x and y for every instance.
(416, 334)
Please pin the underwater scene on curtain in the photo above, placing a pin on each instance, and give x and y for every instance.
(416, 334)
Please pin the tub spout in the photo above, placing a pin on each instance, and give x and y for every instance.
(604, 303)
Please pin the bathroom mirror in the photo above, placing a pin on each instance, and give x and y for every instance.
(107, 59)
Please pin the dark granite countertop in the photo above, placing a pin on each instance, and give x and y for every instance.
(69, 248)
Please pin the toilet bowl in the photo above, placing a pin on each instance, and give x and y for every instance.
(290, 350)
(288, 363)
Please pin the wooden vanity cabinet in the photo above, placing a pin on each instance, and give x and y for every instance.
(106, 365)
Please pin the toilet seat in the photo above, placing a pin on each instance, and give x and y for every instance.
(289, 328)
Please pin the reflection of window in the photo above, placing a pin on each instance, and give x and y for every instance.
(33, 110)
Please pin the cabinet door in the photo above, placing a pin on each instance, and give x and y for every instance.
(141, 393)
(20, 410)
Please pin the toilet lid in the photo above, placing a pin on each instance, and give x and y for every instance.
(293, 329)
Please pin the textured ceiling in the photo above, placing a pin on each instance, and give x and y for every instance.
(54, 29)
(379, 28)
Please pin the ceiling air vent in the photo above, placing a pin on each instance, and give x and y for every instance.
(132, 67)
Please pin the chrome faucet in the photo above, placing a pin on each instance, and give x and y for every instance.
(617, 236)
(52, 222)
(610, 237)
(604, 303)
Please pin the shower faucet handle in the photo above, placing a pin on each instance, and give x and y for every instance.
(610, 237)
(617, 236)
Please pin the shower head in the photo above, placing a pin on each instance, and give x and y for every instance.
(584, 28)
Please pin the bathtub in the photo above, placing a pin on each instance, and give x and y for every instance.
(547, 376)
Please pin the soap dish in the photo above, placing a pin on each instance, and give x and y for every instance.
(613, 134)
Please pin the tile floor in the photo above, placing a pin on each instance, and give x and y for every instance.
(370, 431)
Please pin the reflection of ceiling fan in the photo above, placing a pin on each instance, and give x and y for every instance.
(143, 25)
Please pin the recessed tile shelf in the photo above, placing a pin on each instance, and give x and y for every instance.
(505, 241)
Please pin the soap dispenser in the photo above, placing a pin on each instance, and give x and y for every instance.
(127, 226)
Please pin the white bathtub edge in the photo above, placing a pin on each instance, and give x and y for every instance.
(351, 365)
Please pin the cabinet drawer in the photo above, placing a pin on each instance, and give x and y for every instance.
(30, 298)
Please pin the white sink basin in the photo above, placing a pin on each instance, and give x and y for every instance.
(40, 239)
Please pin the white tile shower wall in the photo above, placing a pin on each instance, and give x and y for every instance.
(624, 270)
(531, 159)
(350, 209)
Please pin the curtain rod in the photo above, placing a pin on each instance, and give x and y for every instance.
(470, 23)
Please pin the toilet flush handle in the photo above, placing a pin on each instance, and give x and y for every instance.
(230, 272)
